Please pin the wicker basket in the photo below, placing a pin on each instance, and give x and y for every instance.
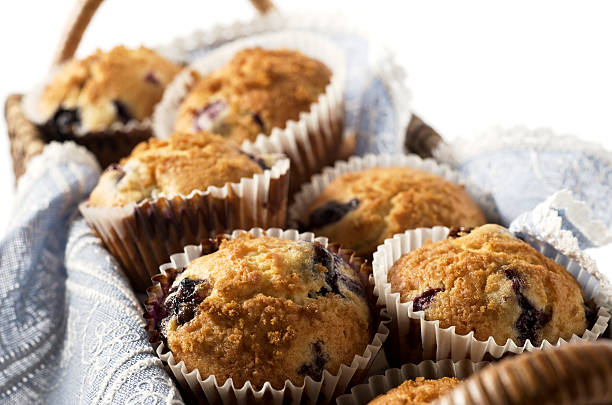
(569, 374)
(26, 139)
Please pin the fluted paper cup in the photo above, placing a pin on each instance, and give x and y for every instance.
(413, 333)
(380, 384)
(311, 142)
(207, 389)
(143, 235)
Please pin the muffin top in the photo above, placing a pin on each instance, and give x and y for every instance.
(176, 165)
(266, 309)
(258, 90)
(107, 87)
(360, 210)
(417, 392)
(492, 283)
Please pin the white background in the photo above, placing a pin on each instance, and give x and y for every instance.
(471, 64)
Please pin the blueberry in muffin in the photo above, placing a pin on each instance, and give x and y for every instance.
(359, 210)
(266, 309)
(419, 391)
(258, 90)
(491, 283)
(118, 86)
(175, 166)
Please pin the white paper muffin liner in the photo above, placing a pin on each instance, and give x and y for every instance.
(311, 142)
(143, 235)
(318, 182)
(109, 144)
(380, 384)
(310, 391)
(444, 343)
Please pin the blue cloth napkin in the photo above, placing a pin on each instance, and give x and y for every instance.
(71, 329)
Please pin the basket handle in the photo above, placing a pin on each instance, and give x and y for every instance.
(420, 138)
(82, 14)
(570, 374)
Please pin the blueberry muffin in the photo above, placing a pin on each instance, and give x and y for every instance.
(359, 210)
(258, 90)
(417, 392)
(91, 94)
(489, 282)
(266, 309)
(175, 166)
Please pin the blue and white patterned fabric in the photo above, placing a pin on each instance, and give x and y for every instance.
(71, 329)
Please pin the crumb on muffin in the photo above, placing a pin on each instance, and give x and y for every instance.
(419, 391)
(175, 166)
(107, 87)
(266, 309)
(359, 210)
(258, 90)
(493, 284)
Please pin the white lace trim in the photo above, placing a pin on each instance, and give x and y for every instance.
(499, 138)
(548, 227)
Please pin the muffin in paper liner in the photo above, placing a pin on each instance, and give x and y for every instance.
(413, 337)
(311, 142)
(318, 182)
(380, 384)
(207, 390)
(108, 145)
(143, 235)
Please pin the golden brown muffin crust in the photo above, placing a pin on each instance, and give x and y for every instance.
(264, 316)
(135, 77)
(168, 167)
(391, 200)
(417, 392)
(258, 90)
(494, 284)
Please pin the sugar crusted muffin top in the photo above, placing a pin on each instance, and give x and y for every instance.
(176, 165)
(361, 209)
(266, 309)
(494, 284)
(258, 90)
(107, 87)
(419, 391)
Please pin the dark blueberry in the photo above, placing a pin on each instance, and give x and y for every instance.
(122, 110)
(209, 246)
(322, 256)
(182, 301)
(115, 167)
(457, 232)
(333, 275)
(330, 212)
(315, 368)
(421, 302)
(64, 120)
(151, 78)
(531, 319)
(204, 118)
(257, 160)
(352, 285)
(513, 275)
(590, 313)
(259, 121)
